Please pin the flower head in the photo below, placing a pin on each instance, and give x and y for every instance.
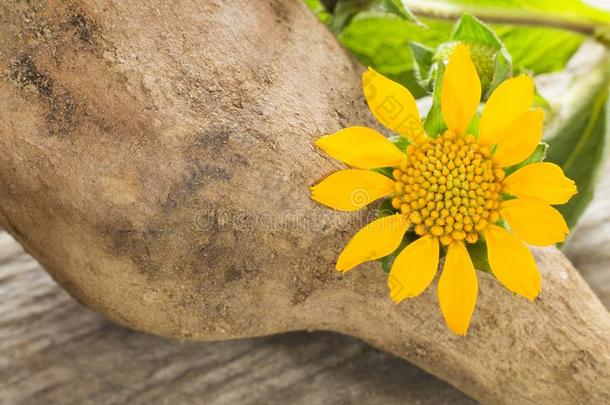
(451, 190)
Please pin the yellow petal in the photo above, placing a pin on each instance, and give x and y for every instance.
(457, 289)
(508, 101)
(361, 147)
(378, 239)
(512, 263)
(414, 269)
(534, 221)
(350, 190)
(542, 181)
(520, 139)
(393, 105)
(461, 90)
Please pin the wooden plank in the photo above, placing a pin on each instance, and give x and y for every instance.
(55, 351)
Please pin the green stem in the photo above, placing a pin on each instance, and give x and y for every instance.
(501, 15)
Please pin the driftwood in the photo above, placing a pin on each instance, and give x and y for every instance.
(156, 160)
(48, 342)
(54, 351)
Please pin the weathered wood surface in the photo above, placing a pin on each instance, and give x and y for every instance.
(55, 351)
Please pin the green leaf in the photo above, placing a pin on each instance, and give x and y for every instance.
(319, 10)
(503, 70)
(400, 141)
(471, 30)
(539, 50)
(346, 10)
(434, 123)
(385, 208)
(473, 127)
(379, 38)
(382, 43)
(478, 255)
(372, 35)
(423, 57)
(386, 171)
(579, 141)
(388, 261)
(534, 49)
(399, 8)
(532, 40)
(538, 155)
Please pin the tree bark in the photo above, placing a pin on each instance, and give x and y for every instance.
(156, 159)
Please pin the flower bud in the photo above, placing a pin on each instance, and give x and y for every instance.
(482, 55)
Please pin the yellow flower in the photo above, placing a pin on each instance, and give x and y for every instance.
(450, 190)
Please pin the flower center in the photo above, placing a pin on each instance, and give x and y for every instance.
(449, 188)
